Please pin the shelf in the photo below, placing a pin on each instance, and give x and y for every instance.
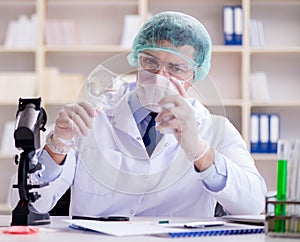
(4, 49)
(283, 2)
(18, 2)
(264, 157)
(226, 49)
(276, 50)
(92, 2)
(227, 102)
(86, 48)
(276, 103)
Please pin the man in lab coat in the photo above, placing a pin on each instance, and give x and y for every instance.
(182, 165)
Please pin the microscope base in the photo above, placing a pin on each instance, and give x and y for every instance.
(27, 215)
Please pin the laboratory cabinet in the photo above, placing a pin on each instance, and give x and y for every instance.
(39, 66)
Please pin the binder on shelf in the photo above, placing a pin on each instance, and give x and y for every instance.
(274, 122)
(254, 133)
(233, 25)
(264, 133)
(228, 25)
(238, 25)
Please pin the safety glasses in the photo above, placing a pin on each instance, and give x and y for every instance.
(153, 64)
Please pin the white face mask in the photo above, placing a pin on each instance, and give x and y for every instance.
(151, 88)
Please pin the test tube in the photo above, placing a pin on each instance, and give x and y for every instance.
(297, 186)
(283, 151)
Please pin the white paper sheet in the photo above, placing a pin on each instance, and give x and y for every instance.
(124, 228)
(250, 219)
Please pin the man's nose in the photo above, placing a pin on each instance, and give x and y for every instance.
(162, 71)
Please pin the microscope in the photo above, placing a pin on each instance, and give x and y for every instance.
(30, 119)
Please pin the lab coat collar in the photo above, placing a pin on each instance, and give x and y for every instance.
(123, 118)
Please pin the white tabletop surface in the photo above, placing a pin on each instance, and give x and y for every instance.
(60, 232)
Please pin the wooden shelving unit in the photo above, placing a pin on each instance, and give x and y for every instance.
(227, 90)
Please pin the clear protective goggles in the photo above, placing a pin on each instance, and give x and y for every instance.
(153, 64)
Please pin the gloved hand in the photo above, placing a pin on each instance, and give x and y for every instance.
(180, 116)
(72, 121)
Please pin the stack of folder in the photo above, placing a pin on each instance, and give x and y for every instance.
(257, 36)
(233, 25)
(265, 130)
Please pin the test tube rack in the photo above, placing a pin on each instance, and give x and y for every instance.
(288, 221)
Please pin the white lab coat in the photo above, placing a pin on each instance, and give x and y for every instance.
(113, 174)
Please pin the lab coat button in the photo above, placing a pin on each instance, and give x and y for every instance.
(145, 176)
(166, 144)
(131, 211)
(139, 138)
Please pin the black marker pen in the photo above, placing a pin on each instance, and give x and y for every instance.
(109, 218)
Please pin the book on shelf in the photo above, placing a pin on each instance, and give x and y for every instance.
(62, 32)
(7, 146)
(131, 26)
(14, 85)
(61, 87)
(257, 36)
(22, 32)
(259, 88)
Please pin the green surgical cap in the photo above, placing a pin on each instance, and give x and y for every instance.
(180, 29)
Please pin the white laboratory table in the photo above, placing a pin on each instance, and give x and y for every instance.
(58, 231)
